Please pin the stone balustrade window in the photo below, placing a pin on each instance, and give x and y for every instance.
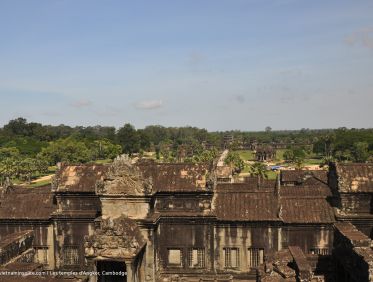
(255, 257)
(196, 258)
(71, 255)
(231, 257)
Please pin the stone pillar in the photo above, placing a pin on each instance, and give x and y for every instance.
(149, 264)
(92, 267)
(131, 271)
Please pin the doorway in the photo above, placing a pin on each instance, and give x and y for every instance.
(111, 271)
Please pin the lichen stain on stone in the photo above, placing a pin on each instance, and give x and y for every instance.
(357, 181)
(71, 175)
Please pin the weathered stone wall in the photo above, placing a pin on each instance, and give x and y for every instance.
(183, 235)
(308, 238)
(70, 203)
(69, 238)
(133, 208)
(243, 238)
(356, 203)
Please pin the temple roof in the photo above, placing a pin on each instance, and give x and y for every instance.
(352, 234)
(239, 202)
(307, 177)
(78, 178)
(255, 202)
(306, 204)
(178, 177)
(132, 179)
(306, 210)
(27, 203)
(318, 191)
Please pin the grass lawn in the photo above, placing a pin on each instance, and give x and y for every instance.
(246, 155)
(280, 154)
(246, 169)
(52, 169)
(272, 174)
(105, 161)
(39, 183)
(312, 161)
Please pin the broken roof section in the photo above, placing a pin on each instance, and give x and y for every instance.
(351, 234)
(163, 177)
(78, 178)
(355, 178)
(305, 177)
(27, 203)
(178, 177)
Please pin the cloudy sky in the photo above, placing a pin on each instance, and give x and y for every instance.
(217, 64)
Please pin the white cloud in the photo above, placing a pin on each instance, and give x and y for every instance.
(149, 105)
(81, 103)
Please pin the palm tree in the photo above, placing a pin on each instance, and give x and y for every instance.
(258, 169)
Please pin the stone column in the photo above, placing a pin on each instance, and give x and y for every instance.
(92, 267)
(131, 271)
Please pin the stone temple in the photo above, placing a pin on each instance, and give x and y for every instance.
(148, 221)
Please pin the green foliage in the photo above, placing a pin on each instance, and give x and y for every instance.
(129, 139)
(246, 155)
(26, 145)
(361, 152)
(346, 144)
(258, 169)
(8, 152)
(8, 168)
(104, 149)
(166, 152)
(28, 167)
(206, 156)
(295, 155)
(13, 165)
(66, 150)
(233, 159)
(23, 140)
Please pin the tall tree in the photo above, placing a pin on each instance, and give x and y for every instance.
(234, 160)
(66, 150)
(361, 152)
(258, 169)
(129, 139)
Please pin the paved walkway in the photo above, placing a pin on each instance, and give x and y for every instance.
(222, 158)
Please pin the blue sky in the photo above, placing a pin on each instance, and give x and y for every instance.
(219, 64)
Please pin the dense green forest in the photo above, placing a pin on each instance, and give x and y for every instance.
(29, 148)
